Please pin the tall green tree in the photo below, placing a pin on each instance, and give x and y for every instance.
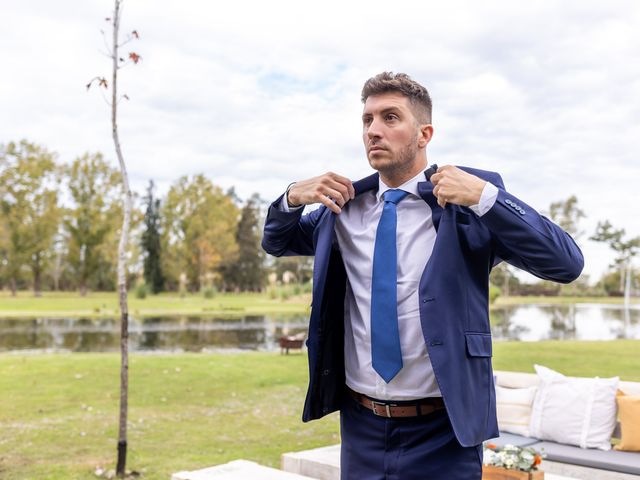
(246, 272)
(95, 211)
(625, 251)
(29, 206)
(567, 214)
(150, 243)
(199, 224)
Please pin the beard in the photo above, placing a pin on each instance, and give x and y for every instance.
(399, 162)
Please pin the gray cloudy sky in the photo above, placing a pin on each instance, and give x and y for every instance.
(258, 94)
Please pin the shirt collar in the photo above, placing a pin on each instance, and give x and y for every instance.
(410, 186)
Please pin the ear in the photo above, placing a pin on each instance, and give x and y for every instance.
(424, 137)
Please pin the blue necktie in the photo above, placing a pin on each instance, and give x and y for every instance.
(385, 338)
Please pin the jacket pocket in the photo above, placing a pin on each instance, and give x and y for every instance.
(478, 344)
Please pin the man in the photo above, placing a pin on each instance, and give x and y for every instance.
(399, 336)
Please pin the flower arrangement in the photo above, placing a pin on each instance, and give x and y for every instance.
(525, 459)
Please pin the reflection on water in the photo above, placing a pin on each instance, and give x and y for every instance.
(581, 321)
(185, 333)
(181, 333)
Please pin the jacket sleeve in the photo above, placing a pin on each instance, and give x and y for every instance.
(530, 241)
(289, 233)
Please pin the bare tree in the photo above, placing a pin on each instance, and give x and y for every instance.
(117, 63)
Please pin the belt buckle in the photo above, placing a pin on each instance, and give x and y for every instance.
(387, 408)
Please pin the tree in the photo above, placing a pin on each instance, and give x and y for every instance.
(94, 189)
(502, 277)
(567, 215)
(199, 224)
(247, 271)
(150, 243)
(117, 63)
(29, 206)
(625, 249)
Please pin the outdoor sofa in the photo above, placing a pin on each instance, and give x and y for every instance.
(611, 460)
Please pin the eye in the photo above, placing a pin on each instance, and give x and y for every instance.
(391, 116)
(366, 121)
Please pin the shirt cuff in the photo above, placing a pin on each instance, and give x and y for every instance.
(284, 205)
(487, 199)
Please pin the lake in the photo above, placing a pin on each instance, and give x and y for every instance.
(201, 333)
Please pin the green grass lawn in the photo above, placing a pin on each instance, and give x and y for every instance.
(58, 412)
(105, 304)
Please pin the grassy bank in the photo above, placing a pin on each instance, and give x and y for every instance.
(284, 300)
(58, 413)
(519, 300)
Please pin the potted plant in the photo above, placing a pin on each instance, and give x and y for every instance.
(511, 463)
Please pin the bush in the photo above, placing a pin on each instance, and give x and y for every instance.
(209, 292)
(494, 292)
(142, 290)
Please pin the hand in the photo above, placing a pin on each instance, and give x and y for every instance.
(456, 186)
(323, 189)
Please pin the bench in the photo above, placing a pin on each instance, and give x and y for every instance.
(291, 341)
(592, 459)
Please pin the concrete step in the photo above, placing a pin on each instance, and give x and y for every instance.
(238, 470)
(324, 464)
(320, 463)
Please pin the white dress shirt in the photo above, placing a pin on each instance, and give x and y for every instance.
(356, 231)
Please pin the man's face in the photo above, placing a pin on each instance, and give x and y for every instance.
(391, 133)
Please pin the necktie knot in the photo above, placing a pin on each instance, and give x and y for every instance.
(394, 196)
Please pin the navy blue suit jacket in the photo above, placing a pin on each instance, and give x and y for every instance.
(453, 294)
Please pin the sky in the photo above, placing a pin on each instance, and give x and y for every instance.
(258, 94)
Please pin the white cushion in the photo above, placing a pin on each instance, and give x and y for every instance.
(574, 411)
(514, 409)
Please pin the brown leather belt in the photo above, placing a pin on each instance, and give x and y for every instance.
(391, 409)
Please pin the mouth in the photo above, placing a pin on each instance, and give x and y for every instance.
(376, 148)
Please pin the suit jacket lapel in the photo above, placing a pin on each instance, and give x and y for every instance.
(425, 189)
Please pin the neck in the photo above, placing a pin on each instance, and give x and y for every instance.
(397, 177)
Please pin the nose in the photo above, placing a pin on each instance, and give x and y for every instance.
(373, 130)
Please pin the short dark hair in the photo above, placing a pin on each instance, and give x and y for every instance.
(401, 83)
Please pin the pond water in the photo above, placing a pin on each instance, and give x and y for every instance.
(199, 333)
(581, 321)
(170, 333)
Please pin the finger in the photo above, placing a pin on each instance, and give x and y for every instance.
(338, 195)
(344, 191)
(436, 177)
(330, 204)
(442, 202)
(344, 181)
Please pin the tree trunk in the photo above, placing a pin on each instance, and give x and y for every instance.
(627, 285)
(37, 276)
(37, 283)
(122, 251)
(13, 287)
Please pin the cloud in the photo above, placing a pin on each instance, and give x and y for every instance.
(258, 94)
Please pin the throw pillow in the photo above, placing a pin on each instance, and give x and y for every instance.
(629, 413)
(514, 409)
(574, 411)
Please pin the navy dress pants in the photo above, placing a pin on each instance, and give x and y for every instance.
(411, 448)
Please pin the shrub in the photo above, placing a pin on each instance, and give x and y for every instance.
(142, 290)
(209, 292)
(494, 292)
